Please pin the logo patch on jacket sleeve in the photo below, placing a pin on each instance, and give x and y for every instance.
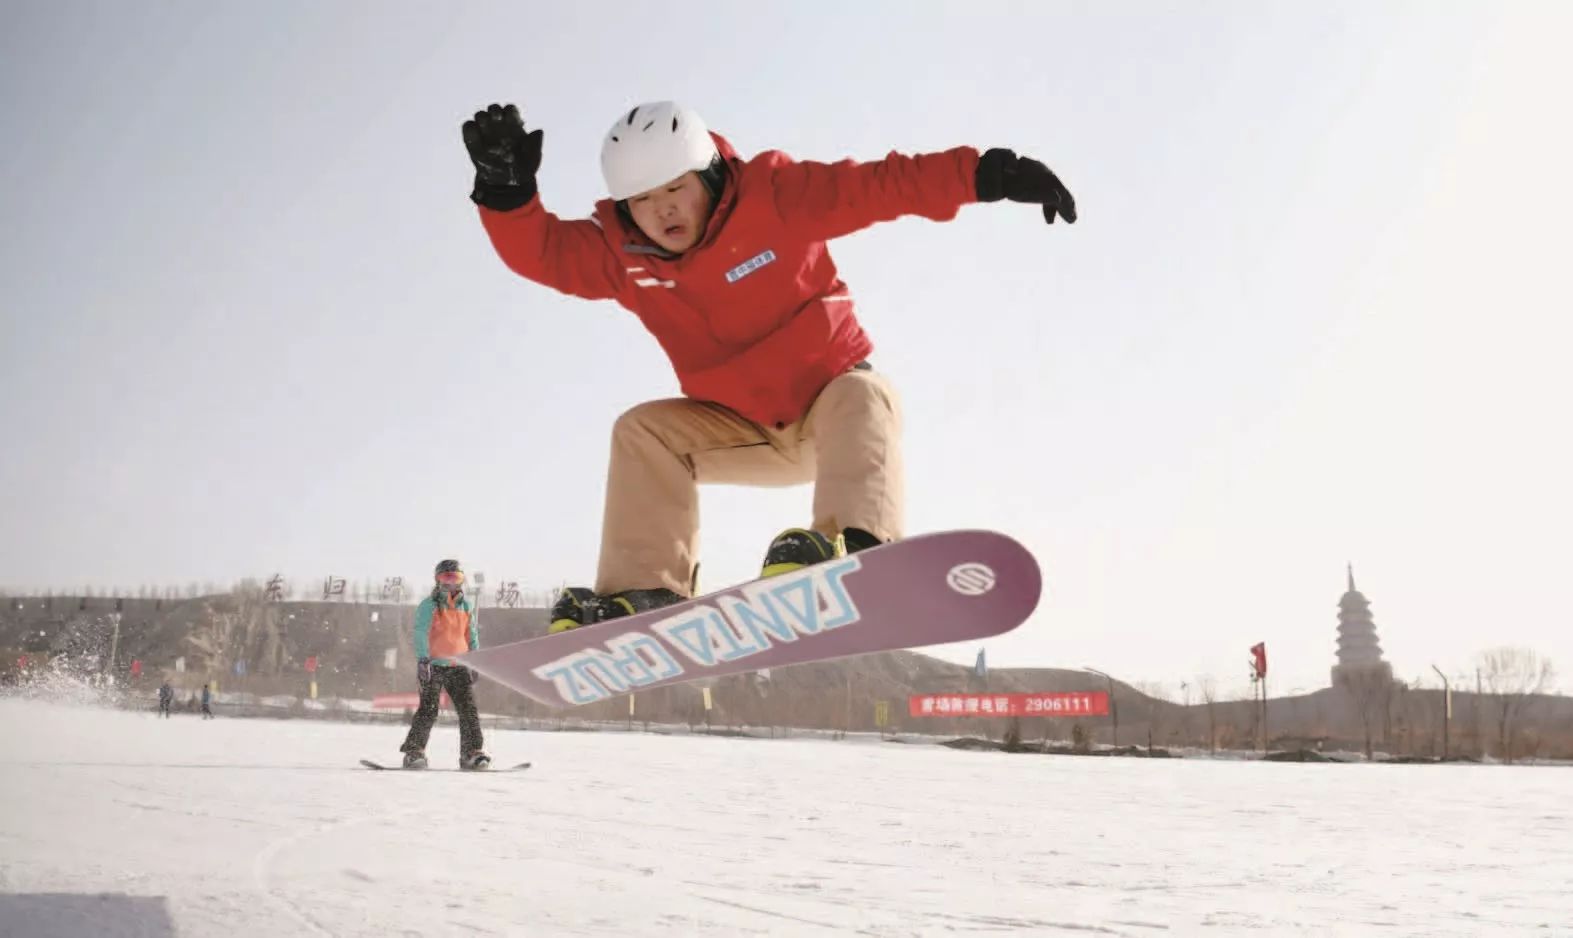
(749, 266)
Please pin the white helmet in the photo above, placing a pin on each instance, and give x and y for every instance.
(654, 144)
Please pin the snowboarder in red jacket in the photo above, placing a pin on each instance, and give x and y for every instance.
(725, 262)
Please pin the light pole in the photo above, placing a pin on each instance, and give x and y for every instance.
(114, 645)
(1114, 709)
(1447, 707)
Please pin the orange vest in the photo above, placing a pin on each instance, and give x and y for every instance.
(447, 629)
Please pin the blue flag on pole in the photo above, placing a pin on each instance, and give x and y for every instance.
(982, 667)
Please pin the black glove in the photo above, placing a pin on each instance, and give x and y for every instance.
(423, 670)
(505, 157)
(1004, 175)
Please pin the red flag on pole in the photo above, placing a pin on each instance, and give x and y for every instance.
(136, 667)
(1259, 654)
(311, 665)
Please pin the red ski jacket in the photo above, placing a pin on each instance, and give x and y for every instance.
(754, 316)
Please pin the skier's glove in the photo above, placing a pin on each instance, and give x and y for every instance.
(1004, 175)
(423, 670)
(505, 157)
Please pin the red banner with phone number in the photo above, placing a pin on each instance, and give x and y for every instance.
(1076, 704)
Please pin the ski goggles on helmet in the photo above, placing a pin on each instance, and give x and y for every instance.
(450, 578)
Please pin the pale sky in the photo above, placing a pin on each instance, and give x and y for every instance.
(1310, 315)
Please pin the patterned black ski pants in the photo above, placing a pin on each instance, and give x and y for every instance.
(456, 681)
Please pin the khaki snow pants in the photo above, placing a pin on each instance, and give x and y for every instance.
(848, 445)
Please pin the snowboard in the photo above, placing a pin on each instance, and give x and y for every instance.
(929, 589)
(399, 768)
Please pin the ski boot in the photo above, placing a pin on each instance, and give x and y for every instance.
(578, 606)
(796, 548)
(476, 761)
(415, 759)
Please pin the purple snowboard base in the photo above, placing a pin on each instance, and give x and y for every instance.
(930, 589)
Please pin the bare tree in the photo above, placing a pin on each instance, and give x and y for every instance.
(213, 639)
(1369, 689)
(1512, 676)
(1420, 713)
(1157, 711)
(1208, 688)
(1252, 728)
(1394, 725)
(261, 640)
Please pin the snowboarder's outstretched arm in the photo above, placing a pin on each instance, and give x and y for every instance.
(569, 256)
(828, 200)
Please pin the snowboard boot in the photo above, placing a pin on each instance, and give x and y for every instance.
(415, 759)
(796, 548)
(579, 606)
(476, 761)
(858, 539)
(573, 608)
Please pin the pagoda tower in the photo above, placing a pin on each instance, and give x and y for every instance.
(1358, 649)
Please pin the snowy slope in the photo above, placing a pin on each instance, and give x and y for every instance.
(120, 824)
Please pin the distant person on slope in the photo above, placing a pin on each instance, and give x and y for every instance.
(166, 696)
(445, 625)
(724, 260)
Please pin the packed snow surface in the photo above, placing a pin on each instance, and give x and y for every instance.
(121, 824)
